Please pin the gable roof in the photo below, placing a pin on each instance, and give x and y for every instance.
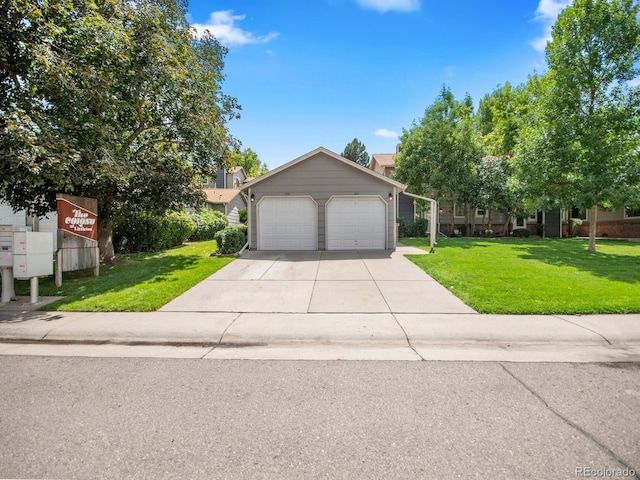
(220, 195)
(384, 159)
(329, 153)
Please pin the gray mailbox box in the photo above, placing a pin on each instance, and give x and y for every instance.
(32, 254)
(6, 263)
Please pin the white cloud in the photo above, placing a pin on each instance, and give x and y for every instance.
(547, 12)
(222, 25)
(383, 132)
(384, 6)
(634, 83)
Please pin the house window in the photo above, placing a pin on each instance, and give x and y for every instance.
(480, 212)
(458, 210)
(631, 212)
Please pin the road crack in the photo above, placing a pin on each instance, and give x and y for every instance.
(574, 425)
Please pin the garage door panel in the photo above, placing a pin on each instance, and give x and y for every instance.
(287, 223)
(356, 223)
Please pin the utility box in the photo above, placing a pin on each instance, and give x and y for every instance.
(6, 245)
(32, 254)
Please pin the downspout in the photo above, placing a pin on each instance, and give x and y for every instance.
(247, 197)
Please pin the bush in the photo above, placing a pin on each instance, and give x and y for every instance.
(487, 233)
(231, 239)
(146, 232)
(419, 228)
(462, 230)
(208, 223)
(540, 229)
(243, 215)
(574, 225)
(521, 233)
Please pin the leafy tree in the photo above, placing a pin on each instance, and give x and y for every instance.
(249, 161)
(113, 99)
(581, 145)
(356, 152)
(501, 115)
(439, 155)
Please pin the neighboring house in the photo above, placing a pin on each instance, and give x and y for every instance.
(226, 200)
(623, 223)
(224, 195)
(234, 178)
(322, 201)
(406, 207)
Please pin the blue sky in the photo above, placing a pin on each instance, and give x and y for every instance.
(312, 73)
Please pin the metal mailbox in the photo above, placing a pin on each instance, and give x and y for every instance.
(6, 245)
(32, 254)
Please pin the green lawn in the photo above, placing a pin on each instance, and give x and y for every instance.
(530, 276)
(137, 283)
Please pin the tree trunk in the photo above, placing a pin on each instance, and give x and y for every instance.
(593, 218)
(506, 228)
(489, 223)
(105, 240)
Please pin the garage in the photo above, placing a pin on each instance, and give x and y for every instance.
(321, 201)
(287, 223)
(356, 223)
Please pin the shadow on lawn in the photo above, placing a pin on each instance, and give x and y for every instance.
(616, 267)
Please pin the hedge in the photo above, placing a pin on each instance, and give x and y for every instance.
(231, 239)
(145, 232)
(208, 223)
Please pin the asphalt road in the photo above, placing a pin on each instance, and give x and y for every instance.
(177, 418)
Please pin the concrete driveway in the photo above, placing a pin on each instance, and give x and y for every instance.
(320, 282)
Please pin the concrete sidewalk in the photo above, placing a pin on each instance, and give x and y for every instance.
(322, 305)
(323, 336)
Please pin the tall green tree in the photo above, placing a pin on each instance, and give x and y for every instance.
(249, 161)
(113, 99)
(440, 154)
(356, 152)
(501, 114)
(581, 147)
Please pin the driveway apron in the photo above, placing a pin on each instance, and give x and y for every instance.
(344, 282)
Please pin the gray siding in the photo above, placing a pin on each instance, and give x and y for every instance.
(405, 208)
(233, 207)
(322, 176)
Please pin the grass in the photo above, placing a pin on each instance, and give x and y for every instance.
(137, 283)
(536, 276)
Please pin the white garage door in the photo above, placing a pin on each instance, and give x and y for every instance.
(356, 223)
(287, 223)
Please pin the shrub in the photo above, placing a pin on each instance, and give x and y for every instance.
(231, 239)
(540, 229)
(208, 223)
(573, 226)
(243, 215)
(487, 233)
(419, 228)
(462, 230)
(146, 232)
(521, 233)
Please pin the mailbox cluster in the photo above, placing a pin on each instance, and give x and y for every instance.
(24, 255)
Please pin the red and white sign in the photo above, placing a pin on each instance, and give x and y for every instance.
(77, 220)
